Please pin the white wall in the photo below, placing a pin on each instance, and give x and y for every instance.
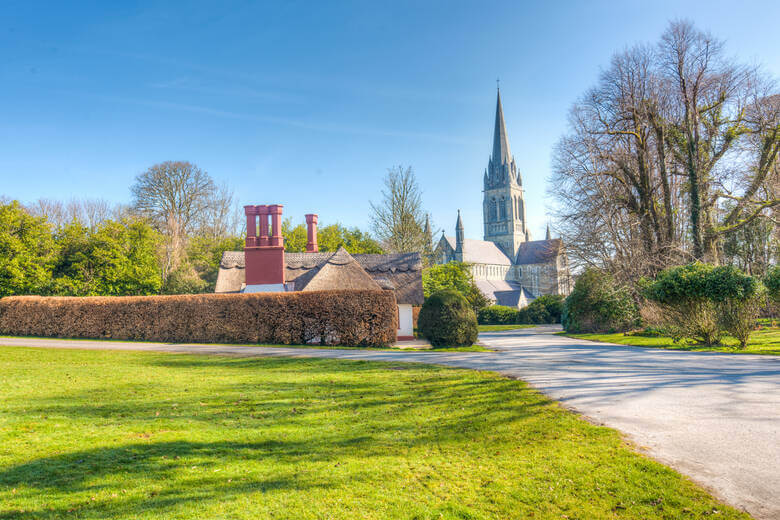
(405, 321)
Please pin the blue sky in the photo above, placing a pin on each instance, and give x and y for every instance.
(308, 103)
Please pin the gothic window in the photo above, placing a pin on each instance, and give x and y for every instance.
(502, 209)
(520, 208)
(493, 210)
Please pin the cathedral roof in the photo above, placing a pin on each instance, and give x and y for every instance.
(539, 251)
(501, 152)
(480, 252)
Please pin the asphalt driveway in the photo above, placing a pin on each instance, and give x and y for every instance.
(714, 417)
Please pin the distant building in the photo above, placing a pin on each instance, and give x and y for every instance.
(508, 267)
(264, 266)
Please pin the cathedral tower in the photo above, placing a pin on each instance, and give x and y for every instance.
(503, 210)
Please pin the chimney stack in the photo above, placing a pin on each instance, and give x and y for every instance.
(311, 233)
(264, 251)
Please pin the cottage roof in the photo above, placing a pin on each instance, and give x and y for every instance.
(340, 270)
(480, 252)
(401, 272)
(539, 251)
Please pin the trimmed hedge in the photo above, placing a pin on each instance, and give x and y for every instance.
(351, 318)
(447, 320)
(498, 315)
(598, 304)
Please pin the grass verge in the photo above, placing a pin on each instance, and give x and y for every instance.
(96, 434)
(494, 328)
(764, 341)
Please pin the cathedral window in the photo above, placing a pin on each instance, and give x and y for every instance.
(493, 210)
(502, 209)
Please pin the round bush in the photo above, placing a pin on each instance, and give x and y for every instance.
(447, 320)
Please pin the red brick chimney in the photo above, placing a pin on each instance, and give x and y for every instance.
(311, 234)
(264, 252)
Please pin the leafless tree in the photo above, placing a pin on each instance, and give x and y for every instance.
(666, 137)
(398, 220)
(173, 196)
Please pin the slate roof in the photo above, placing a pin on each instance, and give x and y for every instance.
(401, 272)
(539, 251)
(505, 292)
(480, 252)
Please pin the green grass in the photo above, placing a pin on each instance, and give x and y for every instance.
(494, 328)
(472, 348)
(102, 434)
(764, 341)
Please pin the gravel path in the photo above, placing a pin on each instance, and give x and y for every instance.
(714, 417)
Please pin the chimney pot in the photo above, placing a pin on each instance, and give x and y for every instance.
(311, 233)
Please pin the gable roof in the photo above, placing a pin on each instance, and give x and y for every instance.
(480, 252)
(539, 251)
(401, 272)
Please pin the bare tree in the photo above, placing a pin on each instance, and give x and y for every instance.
(398, 220)
(173, 195)
(668, 136)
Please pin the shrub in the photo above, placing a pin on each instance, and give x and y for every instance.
(497, 315)
(701, 301)
(544, 309)
(446, 319)
(772, 283)
(683, 294)
(598, 304)
(352, 318)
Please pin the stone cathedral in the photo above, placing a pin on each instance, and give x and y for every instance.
(508, 267)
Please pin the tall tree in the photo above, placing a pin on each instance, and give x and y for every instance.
(398, 219)
(173, 195)
(673, 150)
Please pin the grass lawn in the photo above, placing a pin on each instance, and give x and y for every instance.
(100, 434)
(472, 348)
(494, 328)
(764, 341)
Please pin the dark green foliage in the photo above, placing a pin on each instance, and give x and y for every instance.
(702, 301)
(454, 276)
(598, 304)
(497, 315)
(772, 283)
(27, 251)
(544, 309)
(447, 320)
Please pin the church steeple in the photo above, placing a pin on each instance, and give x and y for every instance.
(459, 235)
(501, 153)
(547, 235)
(503, 206)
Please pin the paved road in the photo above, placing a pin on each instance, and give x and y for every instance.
(713, 417)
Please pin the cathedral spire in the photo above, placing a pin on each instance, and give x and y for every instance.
(501, 153)
(547, 235)
(459, 235)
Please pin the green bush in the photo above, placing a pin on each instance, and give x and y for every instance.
(598, 304)
(772, 283)
(446, 319)
(701, 301)
(497, 315)
(544, 309)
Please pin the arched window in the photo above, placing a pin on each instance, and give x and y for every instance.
(520, 208)
(502, 209)
(493, 210)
